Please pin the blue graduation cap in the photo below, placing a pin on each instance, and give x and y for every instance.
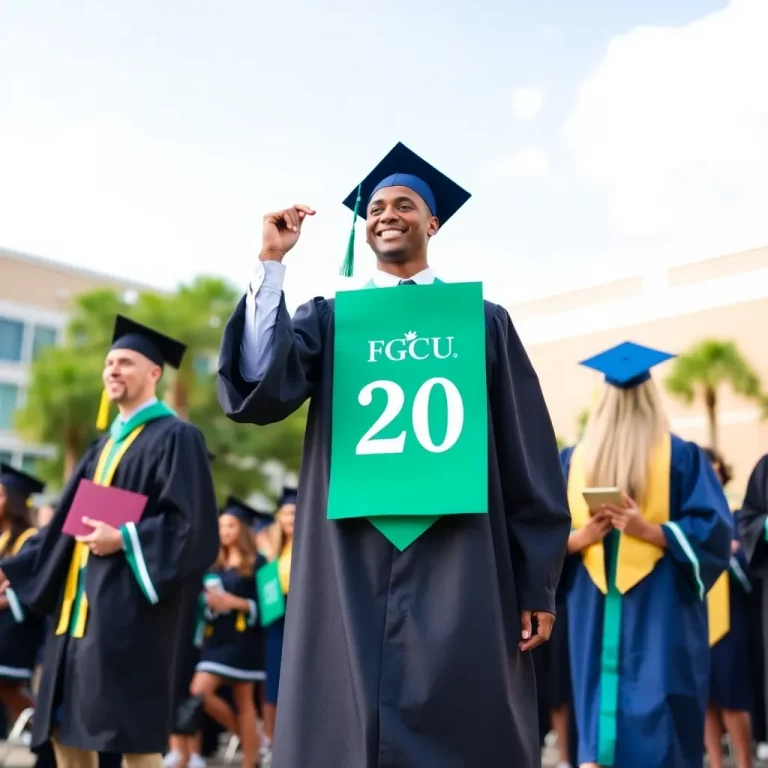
(19, 481)
(627, 365)
(404, 168)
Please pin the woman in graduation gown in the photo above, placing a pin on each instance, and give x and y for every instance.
(21, 631)
(232, 652)
(419, 655)
(640, 573)
(731, 695)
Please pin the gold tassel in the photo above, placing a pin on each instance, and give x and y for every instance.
(240, 623)
(102, 420)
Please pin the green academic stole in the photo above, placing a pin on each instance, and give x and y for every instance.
(409, 433)
(74, 608)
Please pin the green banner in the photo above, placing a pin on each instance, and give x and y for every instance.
(410, 432)
(270, 594)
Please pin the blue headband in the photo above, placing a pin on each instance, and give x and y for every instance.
(421, 188)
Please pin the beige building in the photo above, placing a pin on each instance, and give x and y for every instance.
(34, 298)
(670, 309)
(722, 298)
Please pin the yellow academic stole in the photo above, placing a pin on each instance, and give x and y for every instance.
(110, 457)
(284, 566)
(637, 558)
(19, 543)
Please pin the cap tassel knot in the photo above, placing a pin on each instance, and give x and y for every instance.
(347, 268)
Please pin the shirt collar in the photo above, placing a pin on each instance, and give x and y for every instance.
(385, 280)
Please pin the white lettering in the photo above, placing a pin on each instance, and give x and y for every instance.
(374, 348)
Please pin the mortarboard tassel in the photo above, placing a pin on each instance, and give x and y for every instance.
(347, 268)
(102, 420)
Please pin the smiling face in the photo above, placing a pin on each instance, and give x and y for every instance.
(399, 225)
(129, 377)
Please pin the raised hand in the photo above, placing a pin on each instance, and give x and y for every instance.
(281, 231)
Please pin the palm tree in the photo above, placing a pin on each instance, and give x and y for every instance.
(704, 369)
(195, 315)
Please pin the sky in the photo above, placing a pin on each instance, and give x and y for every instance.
(598, 138)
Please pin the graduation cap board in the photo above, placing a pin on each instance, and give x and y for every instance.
(155, 346)
(246, 514)
(403, 168)
(159, 348)
(288, 496)
(628, 364)
(19, 481)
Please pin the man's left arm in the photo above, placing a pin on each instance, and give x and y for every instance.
(182, 538)
(532, 479)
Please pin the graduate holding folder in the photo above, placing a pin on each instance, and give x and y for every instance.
(641, 568)
(431, 521)
(116, 593)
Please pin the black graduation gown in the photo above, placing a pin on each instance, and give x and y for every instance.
(111, 690)
(410, 658)
(751, 520)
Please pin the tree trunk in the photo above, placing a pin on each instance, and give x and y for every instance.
(71, 455)
(180, 397)
(710, 403)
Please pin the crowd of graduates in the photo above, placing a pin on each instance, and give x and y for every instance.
(227, 672)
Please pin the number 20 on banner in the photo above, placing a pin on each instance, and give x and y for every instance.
(370, 444)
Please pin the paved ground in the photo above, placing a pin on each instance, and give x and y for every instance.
(23, 758)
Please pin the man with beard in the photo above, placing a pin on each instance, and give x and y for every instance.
(117, 595)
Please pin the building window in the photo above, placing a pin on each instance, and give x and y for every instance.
(11, 339)
(9, 396)
(6, 457)
(43, 337)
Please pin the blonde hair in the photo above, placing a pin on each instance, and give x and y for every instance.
(623, 428)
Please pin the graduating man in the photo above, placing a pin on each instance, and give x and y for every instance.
(117, 595)
(404, 655)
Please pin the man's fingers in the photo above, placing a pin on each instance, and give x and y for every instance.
(90, 522)
(534, 642)
(305, 209)
(525, 624)
(545, 623)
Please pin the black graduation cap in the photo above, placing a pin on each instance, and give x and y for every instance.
(404, 168)
(247, 514)
(628, 364)
(288, 496)
(158, 347)
(20, 481)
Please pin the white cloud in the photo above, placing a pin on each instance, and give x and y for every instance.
(527, 102)
(675, 122)
(528, 162)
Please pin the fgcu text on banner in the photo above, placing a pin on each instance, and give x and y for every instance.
(410, 430)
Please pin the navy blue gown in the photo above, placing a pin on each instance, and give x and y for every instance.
(233, 647)
(731, 673)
